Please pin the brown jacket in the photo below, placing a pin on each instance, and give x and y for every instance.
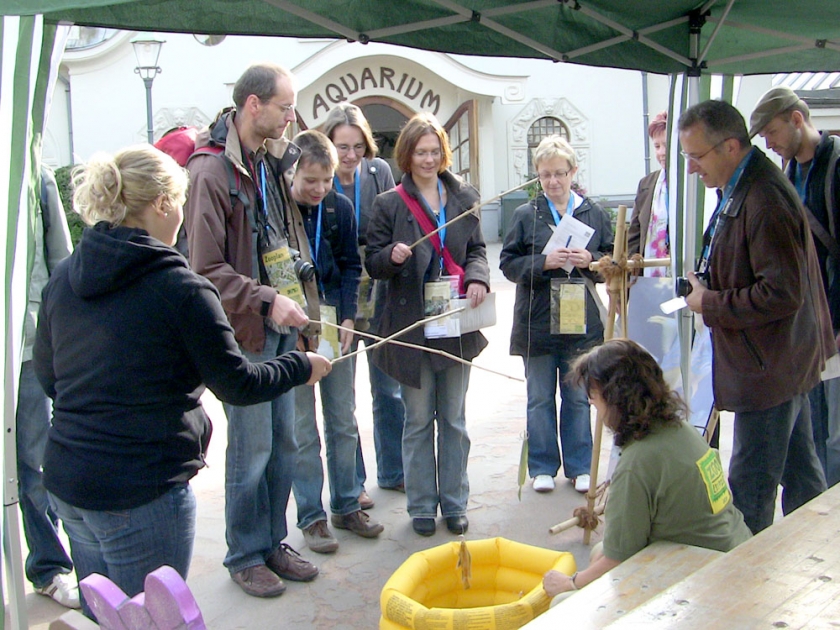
(391, 223)
(771, 331)
(640, 219)
(221, 238)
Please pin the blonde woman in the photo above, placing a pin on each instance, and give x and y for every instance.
(127, 337)
(547, 350)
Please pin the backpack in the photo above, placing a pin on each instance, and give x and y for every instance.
(179, 143)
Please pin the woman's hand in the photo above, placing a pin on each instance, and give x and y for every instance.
(580, 257)
(555, 583)
(400, 253)
(476, 293)
(321, 366)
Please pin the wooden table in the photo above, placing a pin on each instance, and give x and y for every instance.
(788, 576)
(629, 585)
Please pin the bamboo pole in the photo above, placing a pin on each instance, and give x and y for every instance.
(476, 206)
(616, 286)
(417, 324)
(572, 522)
(405, 344)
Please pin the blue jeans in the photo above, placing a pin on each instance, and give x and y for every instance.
(430, 482)
(126, 545)
(341, 436)
(47, 556)
(259, 468)
(825, 419)
(770, 447)
(541, 374)
(388, 422)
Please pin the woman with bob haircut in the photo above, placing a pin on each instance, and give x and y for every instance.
(361, 176)
(668, 484)
(544, 281)
(127, 338)
(433, 387)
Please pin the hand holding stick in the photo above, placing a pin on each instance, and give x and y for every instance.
(475, 208)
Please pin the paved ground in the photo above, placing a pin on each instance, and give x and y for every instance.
(346, 594)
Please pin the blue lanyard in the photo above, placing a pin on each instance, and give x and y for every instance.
(357, 191)
(441, 218)
(570, 208)
(800, 184)
(318, 232)
(264, 200)
(724, 201)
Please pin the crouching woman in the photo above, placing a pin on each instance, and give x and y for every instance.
(668, 484)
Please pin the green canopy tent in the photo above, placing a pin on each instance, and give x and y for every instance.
(684, 38)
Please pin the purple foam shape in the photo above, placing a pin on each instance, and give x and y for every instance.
(104, 599)
(170, 602)
(134, 613)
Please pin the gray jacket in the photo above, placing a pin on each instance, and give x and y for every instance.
(52, 245)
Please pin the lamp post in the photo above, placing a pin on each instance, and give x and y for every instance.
(147, 52)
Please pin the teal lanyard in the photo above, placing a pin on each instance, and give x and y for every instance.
(709, 237)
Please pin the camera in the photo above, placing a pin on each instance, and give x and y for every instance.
(304, 270)
(683, 286)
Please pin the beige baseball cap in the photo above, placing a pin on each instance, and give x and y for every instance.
(774, 102)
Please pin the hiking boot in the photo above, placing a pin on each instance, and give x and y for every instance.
(259, 581)
(289, 565)
(359, 523)
(319, 538)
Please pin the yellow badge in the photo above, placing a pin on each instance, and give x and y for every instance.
(712, 473)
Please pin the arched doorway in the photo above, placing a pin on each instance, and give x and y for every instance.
(386, 118)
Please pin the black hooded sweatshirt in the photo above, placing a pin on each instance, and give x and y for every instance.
(128, 336)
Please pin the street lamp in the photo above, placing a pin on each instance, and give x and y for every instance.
(147, 52)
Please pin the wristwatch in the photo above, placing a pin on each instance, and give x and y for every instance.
(572, 581)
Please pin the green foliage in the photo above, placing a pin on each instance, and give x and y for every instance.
(65, 190)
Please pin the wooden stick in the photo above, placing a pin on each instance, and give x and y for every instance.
(572, 522)
(649, 262)
(436, 351)
(476, 206)
(416, 324)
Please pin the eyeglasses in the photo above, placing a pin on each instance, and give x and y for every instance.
(422, 155)
(696, 158)
(346, 148)
(556, 174)
(283, 108)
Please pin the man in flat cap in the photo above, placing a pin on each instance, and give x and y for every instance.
(811, 164)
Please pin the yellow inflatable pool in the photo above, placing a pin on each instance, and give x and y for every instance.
(505, 592)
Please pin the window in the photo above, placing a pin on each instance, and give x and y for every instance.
(541, 128)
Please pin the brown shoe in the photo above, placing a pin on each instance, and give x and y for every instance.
(319, 538)
(365, 502)
(359, 523)
(258, 581)
(289, 565)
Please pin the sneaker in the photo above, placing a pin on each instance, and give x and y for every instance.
(365, 502)
(289, 565)
(359, 523)
(259, 581)
(581, 483)
(319, 538)
(62, 590)
(543, 483)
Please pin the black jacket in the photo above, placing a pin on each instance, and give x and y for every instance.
(127, 335)
(522, 263)
(392, 222)
(815, 200)
(339, 265)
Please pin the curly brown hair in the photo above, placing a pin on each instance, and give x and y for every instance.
(631, 384)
